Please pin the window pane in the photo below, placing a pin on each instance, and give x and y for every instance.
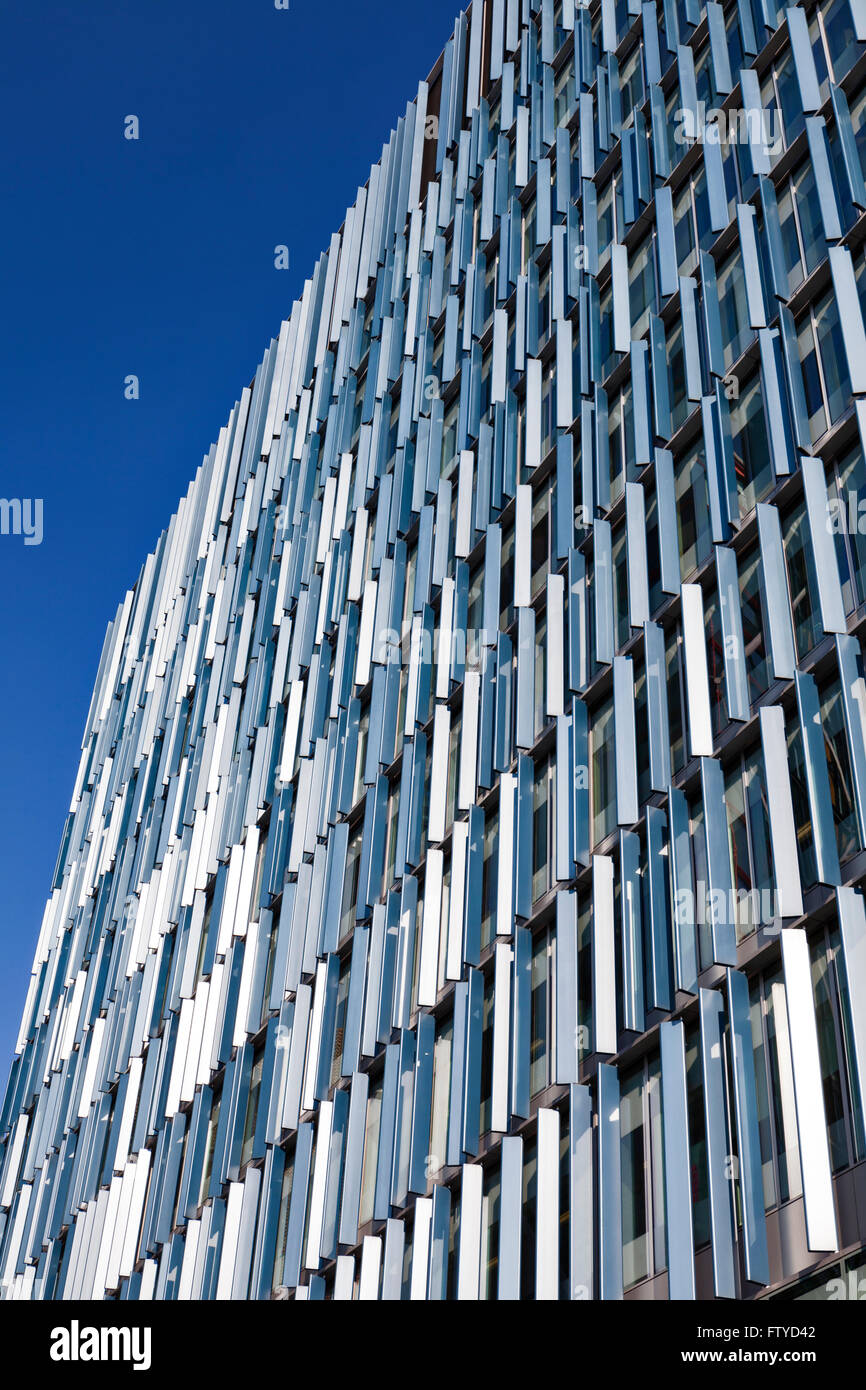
(733, 308)
(765, 1126)
(603, 773)
(802, 581)
(635, 1243)
(751, 446)
(538, 1069)
(841, 785)
(833, 359)
(541, 831)
(831, 1072)
(693, 513)
(850, 492)
(751, 609)
(697, 1140)
(738, 837)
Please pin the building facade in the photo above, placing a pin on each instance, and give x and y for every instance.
(461, 895)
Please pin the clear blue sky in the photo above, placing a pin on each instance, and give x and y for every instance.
(155, 258)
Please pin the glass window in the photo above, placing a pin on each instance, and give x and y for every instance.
(656, 596)
(539, 1065)
(734, 39)
(371, 1153)
(837, 383)
(441, 1098)
(490, 875)
(699, 852)
(506, 580)
(808, 353)
(283, 1221)
(252, 1106)
(540, 673)
(544, 308)
(831, 1053)
(802, 580)
(791, 247)
(780, 1148)
(541, 538)
(782, 1087)
(765, 1119)
(715, 662)
(825, 371)
(528, 1218)
(584, 975)
(542, 829)
(676, 719)
(453, 765)
(789, 99)
(563, 95)
(490, 1209)
(657, 1185)
(606, 231)
(487, 1057)
(847, 488)
(749, 843)
(391, 829)
(644, 789)
(706, 235)
(488, 303)
(752, 613)
(693, 512)
(684, 232)
(760, 849)
(617, 449)
(733, 308)
(635, 1238)
(340, 1027)
(839, 768)
(840, 38)
(449, 438)
(751, 446)
(350, 882)
(361, 757)
(802, 811)
(603, 773)
(622, 628)
(642, 287)
(631, 84)
(680, 406)
(843, 999)
(857, 107)
(213, 1126)
(738, 837)
(697, 1139)
(548, 408)
(529, 223)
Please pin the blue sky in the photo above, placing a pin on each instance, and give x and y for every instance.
(154, 258)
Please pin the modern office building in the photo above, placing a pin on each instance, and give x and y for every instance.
(461, 894)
